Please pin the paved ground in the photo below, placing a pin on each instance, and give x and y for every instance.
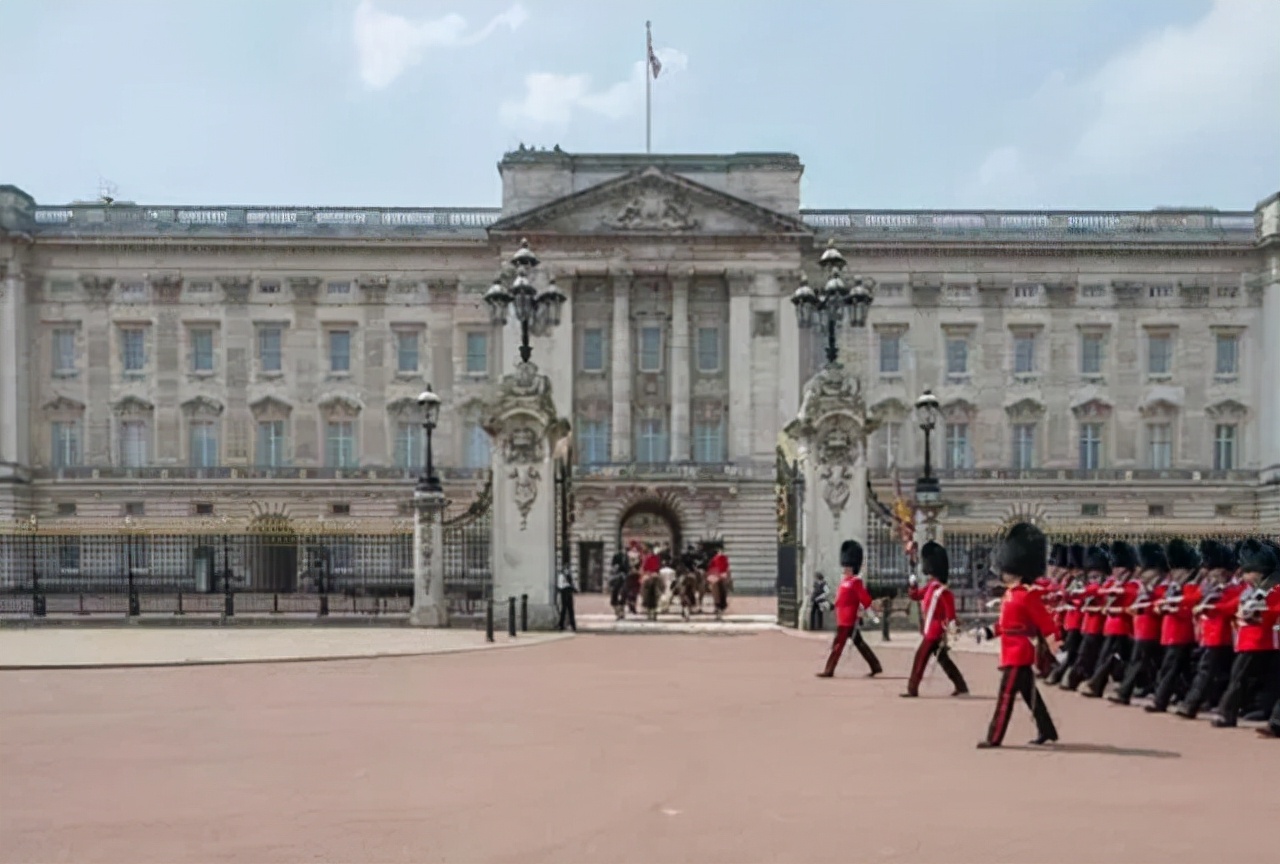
(608, 749)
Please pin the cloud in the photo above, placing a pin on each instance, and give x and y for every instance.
(1150, 109)
(388, 45)
(552, 99)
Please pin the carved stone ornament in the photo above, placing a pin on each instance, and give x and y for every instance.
(835, 487)
(654, 210)
(526, 490)
(168, 287)
(202, 406)
(304, 288)
(833, 418)
(236, 288)
(521, 446)
(98, 288)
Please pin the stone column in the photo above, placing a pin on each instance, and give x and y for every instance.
(374, 371)
(98, 418)
(788, 329)
(430, 608)
(739, 358)
(14, 372)
(171, 367)
(681, 449)
(620, 368)
(304, 366)
(1268, 343)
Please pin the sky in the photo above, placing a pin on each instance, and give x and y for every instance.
(1065, 104)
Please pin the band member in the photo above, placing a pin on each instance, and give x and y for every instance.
(565, 591)
(819, 599)
(719, 579)
(1145, 617)
(1214, 613)
(1257, 612)
(651, 583)
(618, 572)
(938, 608)
(1097, 564)
(1117, 629)
(1020, 560)
(851, 598)
(1177, 624)
(1071, 597)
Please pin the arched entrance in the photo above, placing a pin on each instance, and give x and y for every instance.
(651, 521)
(272, 554)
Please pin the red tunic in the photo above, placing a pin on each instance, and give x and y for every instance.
(1092, 618)
(1260, 634)
(850, 596)
(718, 567)
(1119, 622)
(652, 564)
(1215, 621)
(1023, 620)
(937, 608)
(1179, 627)
(1072, 617)
(1146, 621)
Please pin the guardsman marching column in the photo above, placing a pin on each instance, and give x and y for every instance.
(938, 608)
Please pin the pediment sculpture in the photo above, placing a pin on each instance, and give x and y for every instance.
(654, 210)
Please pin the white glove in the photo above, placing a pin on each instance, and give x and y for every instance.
(1061, 657)
(912, 580)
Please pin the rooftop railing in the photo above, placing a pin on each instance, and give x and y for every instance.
(1122, 475)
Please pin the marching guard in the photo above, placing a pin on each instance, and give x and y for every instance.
(1214, 613)
(851, 598)
(1145, 621)
(1070, 599)
(1257, 612)
(1117, 629)
(938, 607)
(1097, 564)
(1177, 625)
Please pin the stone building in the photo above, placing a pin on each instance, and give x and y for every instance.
(207, 361)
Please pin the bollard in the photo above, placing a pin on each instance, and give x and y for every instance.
(488, 620)
(884, 619)
(511, 616)
(524, 613)
(135, 604)
(179, 610)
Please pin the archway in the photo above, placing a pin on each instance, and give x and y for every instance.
(651, 520)
(272, 554)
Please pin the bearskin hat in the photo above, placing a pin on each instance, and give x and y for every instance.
(1151, 557)
(1182, 555)
(851, 555)
(1257, 557)
(934, 561)
(1058, 555)
(1123, 556)
(1075, 557)
(1097, 559)
(1210, 554)
(1022, 553)
(1230, 556)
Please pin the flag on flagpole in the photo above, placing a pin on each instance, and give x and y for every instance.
(655, 65)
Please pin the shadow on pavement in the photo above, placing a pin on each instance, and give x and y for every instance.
(1098, 750)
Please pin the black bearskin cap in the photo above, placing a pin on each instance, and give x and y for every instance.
(1211, 554)
(934, 561)
(1058, 555)
(1097, 559)
(1230, 556)
(1123, 556)
(1257, 557)
(1075, 557)
(851, 555)
(1182, 555)
(1151, 557)
(1022, 553)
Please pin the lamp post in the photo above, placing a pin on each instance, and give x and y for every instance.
(928, 489)
(430, 404)
(537, 312)
(834, 303)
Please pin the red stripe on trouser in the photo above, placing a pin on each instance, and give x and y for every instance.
(917, 666)
(1004, 708)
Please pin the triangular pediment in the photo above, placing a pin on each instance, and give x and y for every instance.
(647, 202)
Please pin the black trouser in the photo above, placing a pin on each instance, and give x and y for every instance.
(1015, 681)
(1142, 668)
(1112, 659)
(815, 616)
(618, 593)
(844, 634)
(1071, 645)
(566, 611)
(1274, 722)
(927, 649)
(1256, 668)
(1175, 666)
(1086, 660)
(1211, 675)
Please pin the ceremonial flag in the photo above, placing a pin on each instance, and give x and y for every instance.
(655, 65)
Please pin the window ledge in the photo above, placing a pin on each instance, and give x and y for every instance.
(1225, 379)
(1163, 376)
(202, 373)
(1026, 377)
(1090, 378)
(270, 375)
(414, 375)
(64, 374)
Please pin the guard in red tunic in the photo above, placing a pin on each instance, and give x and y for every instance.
(1257, 613)
(1070, 599)
(1117, 629)
(938, 615)
(1097, 564)
(1145, 616)
(851, 598)
(1023, 619)
(1177, 624)
(1214, 614)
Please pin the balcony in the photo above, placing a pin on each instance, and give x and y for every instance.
(677, 471)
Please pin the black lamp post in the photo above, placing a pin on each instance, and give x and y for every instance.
(536, 312)
(430, 404)
(928, 489)
(834, 303)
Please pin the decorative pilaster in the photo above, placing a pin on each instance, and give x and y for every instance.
(1269, 371)
(620, 368)
(430, 607)
(98, 419)
(739, 355)
(681, 449)
(14, 372)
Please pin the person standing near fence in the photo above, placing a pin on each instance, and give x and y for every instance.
(819, 598)
(851, 598)
(938, 611)
(565, 590)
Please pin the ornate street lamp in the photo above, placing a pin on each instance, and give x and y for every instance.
(429, 402)
(835, 303)
(537, 312)
(928, 489)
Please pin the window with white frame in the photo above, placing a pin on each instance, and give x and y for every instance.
(409, 451)
(1091, 353)
(1090, 446)
(201, 349)
(269, 354)
(708, 442)
(133, 349)
(593, 349)
(890, 352)
(650, 349)
(64, 351)
(340, 444)
(1160, 446)
(890, 444)
(651, 441)
(708, 349)
(66, 444)
(1024, 446)
(135, 443)
(1224, 447)
(478, 447)
(204, 444)
(1226, 355)
(477, 353)
(593, 442)
(408, 343)
(957, 444)
(338, 286)
(1024, 353)
(957, 356)
(1159, 354)
(340, 351)
(271, 444)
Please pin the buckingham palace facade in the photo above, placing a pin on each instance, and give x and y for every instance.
(207, 360)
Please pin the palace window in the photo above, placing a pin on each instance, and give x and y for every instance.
(204, 444)
(1091, 353)
(1024, 353)
(708, 349)
(1224, 447)
(271, 444)
(407, 344)
(269, 339)
(477, 353)
(409, 446)
(890, 444)
(339, 350)
(1159, 354)
(477, 453)
(340, 444)
(650, 349)
(1227, 355)
(708, 442)
(133, 349)
(64, 351)
(1160, 446)
(890, 353)
(593, 442)
(957, 357)
(202, 350)
(135, 443)
(593, 349)
(1024, 446)
(957, 444)
(651, 441)
(66, 444)
(1090, 446)
(339, 287)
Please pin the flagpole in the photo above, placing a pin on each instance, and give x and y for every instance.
(648, 90)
